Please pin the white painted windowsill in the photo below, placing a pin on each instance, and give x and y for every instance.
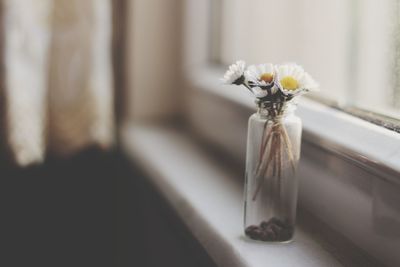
(374, 147)
(208, 198)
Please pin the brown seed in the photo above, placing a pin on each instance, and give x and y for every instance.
(270, 234)
(264, 236)
(276, 228)
(252, 231)
(264, 224)
(277, 222)
(251, 228)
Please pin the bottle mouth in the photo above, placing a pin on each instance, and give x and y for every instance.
(275, 110)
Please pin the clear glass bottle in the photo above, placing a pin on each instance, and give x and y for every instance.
(273, 152)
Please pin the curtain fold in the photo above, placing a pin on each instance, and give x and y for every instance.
(26, 40)
(57, 93)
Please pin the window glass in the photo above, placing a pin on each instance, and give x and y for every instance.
(351, 47)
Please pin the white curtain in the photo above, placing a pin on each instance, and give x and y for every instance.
(58, 76)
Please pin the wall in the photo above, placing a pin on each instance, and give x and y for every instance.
(153, 65)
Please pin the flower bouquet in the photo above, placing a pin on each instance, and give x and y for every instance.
(273, 146)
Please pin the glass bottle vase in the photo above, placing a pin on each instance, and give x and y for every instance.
(273, 152)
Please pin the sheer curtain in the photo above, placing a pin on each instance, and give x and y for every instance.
(57, 92)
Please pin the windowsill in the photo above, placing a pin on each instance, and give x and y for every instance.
(208, 199)
(372, 147)
(349, 171)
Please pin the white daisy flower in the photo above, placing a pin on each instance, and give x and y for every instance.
(262, 74)
(235, 73)
(292, 79)
(259, 76)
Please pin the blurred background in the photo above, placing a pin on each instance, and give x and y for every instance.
(75, 73)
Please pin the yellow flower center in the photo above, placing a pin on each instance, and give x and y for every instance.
(289, 83)
(267, 77)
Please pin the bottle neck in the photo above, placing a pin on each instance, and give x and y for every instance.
(275, 110)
